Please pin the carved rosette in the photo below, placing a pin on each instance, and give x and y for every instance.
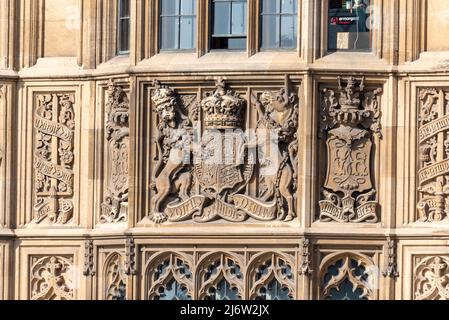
(433, 139)
(431, 278)
(350, 117)
(115, 205)
(54, 125)
(51, 278)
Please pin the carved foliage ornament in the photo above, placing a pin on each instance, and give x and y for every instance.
(89, 267)
(391, 269)
(349, 118)
(433, 175)
(52, 278)
(54, 130)
(222, 164)
(431, 279)
(115, 206)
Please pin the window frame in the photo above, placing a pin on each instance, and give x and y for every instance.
(280, 14)
(379, 45)
(120, 18)
(178, 16)
(211, 35)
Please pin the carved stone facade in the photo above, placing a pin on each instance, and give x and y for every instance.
(221, 174)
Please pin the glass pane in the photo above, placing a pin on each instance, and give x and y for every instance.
(188, 7)
(288, 31)
(169, 33)
(289, 6)
(187, 33)
(239, 18)
(170, 7)
(237, 43)
(222, 14)
(271, 6)
(270, 31)
(124, 35)
(349, 25)
(124, 8)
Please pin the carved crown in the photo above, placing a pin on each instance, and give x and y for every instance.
(350, 111)
(222, 109)
(117, 105)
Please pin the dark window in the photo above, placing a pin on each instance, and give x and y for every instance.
(279, 19)
(123, 27)
(349, 25)
(229, 24)
(177, 24)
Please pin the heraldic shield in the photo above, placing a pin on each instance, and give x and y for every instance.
(350, 152)
(223, 167)
(349, 120)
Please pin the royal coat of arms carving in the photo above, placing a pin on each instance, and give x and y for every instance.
(349, 118)
(206, 160)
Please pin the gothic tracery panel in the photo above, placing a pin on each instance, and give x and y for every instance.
(170, 277)
(51, 278)
(54, 157)
(115, 278)
(347, 276)
(220, 277)
(431, 278)
(272, 277)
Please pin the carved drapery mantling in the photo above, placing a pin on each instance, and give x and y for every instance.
(204, 176)
(54, 129)
(51, 278)
(431, 281)
(433, 174)
(349, 119)
(115, 205)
